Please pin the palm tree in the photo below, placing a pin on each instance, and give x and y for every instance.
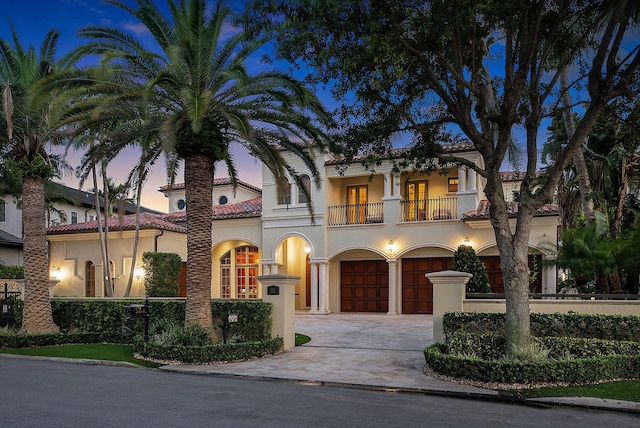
(199, 85)
(28, 128)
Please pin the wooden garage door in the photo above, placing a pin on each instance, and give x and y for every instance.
(364, 286)
(417, 290)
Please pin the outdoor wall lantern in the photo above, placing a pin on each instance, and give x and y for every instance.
(467, 242)
(307, 249)
(138, 272)
(391, 247)
(55, 273)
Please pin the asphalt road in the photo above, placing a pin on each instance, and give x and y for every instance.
(37, 393)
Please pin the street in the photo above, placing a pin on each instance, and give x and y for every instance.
(39, 393)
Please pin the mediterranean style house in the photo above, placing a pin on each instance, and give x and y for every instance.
(66, 206)
(365, 246)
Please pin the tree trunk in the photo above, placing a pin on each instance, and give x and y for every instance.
(578, 158)
(136, 236)
(198, 178)
(98, 219)
(106, 270)
(37, 316)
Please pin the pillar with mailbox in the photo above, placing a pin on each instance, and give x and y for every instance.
(280, 291)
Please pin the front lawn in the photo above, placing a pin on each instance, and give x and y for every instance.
(93, 351)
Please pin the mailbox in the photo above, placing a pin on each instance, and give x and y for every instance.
(273, 290)
(137, 311)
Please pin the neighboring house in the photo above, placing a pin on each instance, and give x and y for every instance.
(67, 206)
(366, 247)
(223, 193)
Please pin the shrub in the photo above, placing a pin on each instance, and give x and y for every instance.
(178, 335)
(11, 272)
(465, 259)
(162, 272)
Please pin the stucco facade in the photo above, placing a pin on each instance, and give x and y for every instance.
(365, 245)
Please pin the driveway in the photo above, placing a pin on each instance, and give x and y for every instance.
(372, 350)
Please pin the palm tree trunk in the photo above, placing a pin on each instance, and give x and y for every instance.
(578, 157)
(108, 284)
(198, 178)
(37, 316)
(136, 235)
(100, 230)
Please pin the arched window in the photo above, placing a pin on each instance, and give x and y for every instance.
(223, 200)
(89, 279)
(284, 193)
(306, 184)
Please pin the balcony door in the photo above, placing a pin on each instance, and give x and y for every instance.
(356, 204)
(417, 195)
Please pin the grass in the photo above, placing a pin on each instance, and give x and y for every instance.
(301, 339)
(627, 390)
(101, 351)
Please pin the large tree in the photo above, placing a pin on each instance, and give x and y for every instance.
(28, 128)
(479, 71)
(195, 73)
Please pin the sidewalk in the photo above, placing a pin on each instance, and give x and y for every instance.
(369, 351)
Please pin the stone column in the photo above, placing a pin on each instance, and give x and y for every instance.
(388, 178)
(471, 185)
(448, 296)
(280, 291)
(462, 178)
(314, 288)
(396, 185)
(393, 298)
(323, 289)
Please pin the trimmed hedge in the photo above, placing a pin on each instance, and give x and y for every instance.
(492, 347)
(610, 327)
(51, 339)
(581, 348)
(210, 353)
(581, 370)
(107, 316)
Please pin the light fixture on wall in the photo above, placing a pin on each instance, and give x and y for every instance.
(138, 272)
(391, 247)
(307, 249)
(467, 242)
(55, 273)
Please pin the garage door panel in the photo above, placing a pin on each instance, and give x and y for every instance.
(364, 286)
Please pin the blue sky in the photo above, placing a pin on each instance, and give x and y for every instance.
(33, 18)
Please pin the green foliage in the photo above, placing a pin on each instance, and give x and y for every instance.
(210, 353)
(606, 327)
(254, 320)
(178, 335)
(162, 272)
(581, 370)
(465, 259)
(11, 272)
(567, 348)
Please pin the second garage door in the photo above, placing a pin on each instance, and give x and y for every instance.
(417, 290)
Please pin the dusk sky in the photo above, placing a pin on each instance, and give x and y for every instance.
(33, 18)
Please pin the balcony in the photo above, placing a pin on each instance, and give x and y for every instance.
(343, 215)
(429, 209)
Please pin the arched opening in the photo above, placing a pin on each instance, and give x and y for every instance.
(90, 279)
(293, 259)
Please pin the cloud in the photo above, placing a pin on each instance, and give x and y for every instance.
(137, 28)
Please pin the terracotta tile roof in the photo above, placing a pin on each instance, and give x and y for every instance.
(396, 153)
(482, 212)
(216, 182)
(246, 209)
(147, 221)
